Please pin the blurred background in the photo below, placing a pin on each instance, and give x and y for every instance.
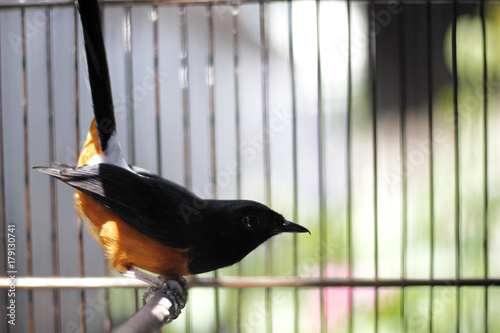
(338, 114)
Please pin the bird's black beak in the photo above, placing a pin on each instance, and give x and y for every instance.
(292, 227)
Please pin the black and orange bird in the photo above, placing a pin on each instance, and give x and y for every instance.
(140, 219)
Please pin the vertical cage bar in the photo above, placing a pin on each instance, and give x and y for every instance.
(236, 78)
(291, 54)
(81, 268)
(129, 84)
(321, 169)
(265, 104)
(264, 54)
(26, 170)
(236, 68)
(136, 303)
(404, 192)
(213, 155)
(374, 111)
(485, 159)
(186, 118)
(3, 216)
(349, 164)
(155, 18)
(185, 96)
(128, 69)
(430, 129)
(236, 57)
(107, 324)
(456, 161)
(53, 189)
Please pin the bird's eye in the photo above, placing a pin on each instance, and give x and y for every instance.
(250, 222)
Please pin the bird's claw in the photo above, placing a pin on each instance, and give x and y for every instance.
(171, 285)
(174, 286)
(176, 289)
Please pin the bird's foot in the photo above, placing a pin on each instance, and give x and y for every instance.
(174, 286)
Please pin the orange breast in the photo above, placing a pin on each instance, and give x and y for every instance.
(125, 247)
(91, 147)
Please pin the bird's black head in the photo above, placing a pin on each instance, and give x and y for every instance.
(232, 229)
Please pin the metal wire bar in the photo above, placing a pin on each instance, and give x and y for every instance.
(291, 55)
(38, 3)
(485, 159)
(211, 100)
(129, 78)
(3, 217)
(236, 68)
(264, 53)
(81, 269)
(155, 15)
(456, 160)
(264, 56)
(349, 164)
(83, 323)
(157, 113)
(107, 318)
(136, 296)
(430, 130)
(404, 191)
(242, 282)
(185, 97)
(213, 155)
(107, 270)
(53, 189)
(373, 89)
(186, 118)
(321, 169)
(26, 170)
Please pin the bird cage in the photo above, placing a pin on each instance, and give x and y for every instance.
(372, 123)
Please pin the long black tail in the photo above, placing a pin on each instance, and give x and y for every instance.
(98, 70)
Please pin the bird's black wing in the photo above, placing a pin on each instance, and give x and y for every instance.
(154, 206)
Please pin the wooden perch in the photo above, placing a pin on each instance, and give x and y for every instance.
(164, 305)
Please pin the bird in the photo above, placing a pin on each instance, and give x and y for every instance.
(142, 220)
